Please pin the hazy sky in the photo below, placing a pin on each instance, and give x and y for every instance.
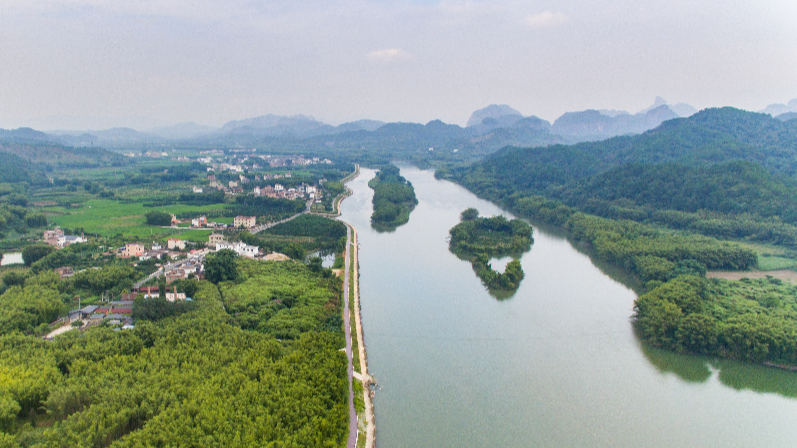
(153, 62)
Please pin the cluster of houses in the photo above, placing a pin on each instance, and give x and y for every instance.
(277, 161)
(156, 250)
(150, 292)
(152, 154)
(217, 240)
(120, 312)
(199, 223)
(114, 313)
(57, 238)
(279, 191)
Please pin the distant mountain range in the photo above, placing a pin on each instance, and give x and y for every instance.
(723, 159)
(776, 110)
(487, 130)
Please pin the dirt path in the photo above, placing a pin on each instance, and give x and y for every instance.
(60, 330)
(783, 274)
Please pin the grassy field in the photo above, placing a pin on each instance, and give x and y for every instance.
(771, 258)
(196, 235)
(773, 262)
(109, 217)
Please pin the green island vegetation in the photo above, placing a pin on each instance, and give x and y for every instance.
(478, 239)
(714, 191)
(394, 198)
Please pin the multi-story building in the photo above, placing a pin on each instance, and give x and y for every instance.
(132, 250)
(244, 221)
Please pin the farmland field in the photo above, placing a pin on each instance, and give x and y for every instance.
(196, 235)
(108, 217)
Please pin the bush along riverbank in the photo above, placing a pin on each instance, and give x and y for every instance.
(751, 320)
(478, 239)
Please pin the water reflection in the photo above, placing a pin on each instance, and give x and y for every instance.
(734, 374)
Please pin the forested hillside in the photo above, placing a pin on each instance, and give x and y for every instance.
(722, 172)
(661, 198)
(708, 137)
(54, 155)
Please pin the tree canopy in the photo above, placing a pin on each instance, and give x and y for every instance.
(394, 198)
(221, 267)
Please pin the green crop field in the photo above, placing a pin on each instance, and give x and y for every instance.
(196, 235)
(108, 217)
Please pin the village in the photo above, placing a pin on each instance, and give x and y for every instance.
(176, 260)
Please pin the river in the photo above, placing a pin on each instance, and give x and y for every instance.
(556, 365)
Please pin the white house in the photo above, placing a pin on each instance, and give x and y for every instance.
(66, 240)
(240, 248)
(176, 243)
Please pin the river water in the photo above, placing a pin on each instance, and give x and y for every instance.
(556, 365)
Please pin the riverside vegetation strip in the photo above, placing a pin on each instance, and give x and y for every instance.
(477, 239)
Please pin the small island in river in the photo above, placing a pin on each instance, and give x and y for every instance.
(478, 239)
(394, 199)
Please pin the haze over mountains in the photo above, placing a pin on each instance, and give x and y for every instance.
(489, 128)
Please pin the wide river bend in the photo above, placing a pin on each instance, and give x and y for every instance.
(556, 365)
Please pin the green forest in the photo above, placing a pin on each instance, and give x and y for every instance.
(255, 362)
(667, 206)
(477, 239)
(394, 198)
(750, 320)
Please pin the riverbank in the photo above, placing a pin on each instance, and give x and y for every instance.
(365, 377)
(351, 280)
(342, 196)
